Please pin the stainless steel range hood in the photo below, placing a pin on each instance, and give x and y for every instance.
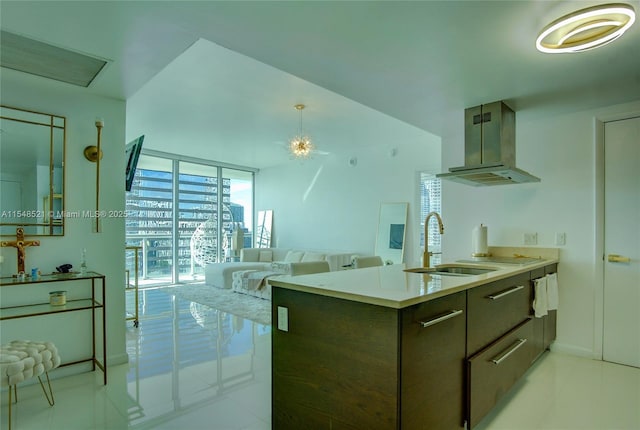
(489, 148)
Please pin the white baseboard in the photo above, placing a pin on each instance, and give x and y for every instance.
(564, 348)
(114, 360)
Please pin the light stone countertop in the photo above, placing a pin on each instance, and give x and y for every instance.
(391, 286)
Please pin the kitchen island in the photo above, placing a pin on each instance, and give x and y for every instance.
(381, 348)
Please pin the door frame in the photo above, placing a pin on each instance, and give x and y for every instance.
(598, 322)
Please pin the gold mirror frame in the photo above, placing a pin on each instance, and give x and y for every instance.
(32, 166)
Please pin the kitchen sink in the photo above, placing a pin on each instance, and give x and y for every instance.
(452, 270)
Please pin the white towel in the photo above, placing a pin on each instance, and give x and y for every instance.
(540, 297)
(552, 291)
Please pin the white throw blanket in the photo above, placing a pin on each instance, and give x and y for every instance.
(257, 280)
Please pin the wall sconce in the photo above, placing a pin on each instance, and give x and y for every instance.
(93, 153)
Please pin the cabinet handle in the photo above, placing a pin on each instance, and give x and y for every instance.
(615, 258)
(505, 293)
(499, 359)
(441, 318)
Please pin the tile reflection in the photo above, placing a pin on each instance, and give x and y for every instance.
(185, 356)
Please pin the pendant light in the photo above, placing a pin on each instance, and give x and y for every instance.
(300, 146)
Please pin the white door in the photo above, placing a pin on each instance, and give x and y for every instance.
(621, 342)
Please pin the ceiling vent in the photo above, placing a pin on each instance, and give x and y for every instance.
(41, 59)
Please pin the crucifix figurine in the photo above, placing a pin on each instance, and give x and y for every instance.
(20, 244)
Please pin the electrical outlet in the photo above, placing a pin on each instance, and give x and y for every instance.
(283, 318)
(561, 239)
(531, 238)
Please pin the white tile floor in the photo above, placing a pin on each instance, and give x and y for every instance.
(195, 368)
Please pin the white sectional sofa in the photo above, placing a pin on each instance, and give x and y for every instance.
(220, 275)
(256, 283)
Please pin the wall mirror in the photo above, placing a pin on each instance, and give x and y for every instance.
(32, 150)
(391, 232)
(263, 229)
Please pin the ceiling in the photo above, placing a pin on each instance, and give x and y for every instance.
(373, 74)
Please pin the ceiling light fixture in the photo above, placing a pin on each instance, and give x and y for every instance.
(300, 146)
(586, 28)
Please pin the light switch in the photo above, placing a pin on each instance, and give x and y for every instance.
(283, 318)
(561, 239)
(530, 238)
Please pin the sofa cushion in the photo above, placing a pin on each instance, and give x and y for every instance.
(253, 254)
(250, 254)
(308, 267)
(294, 256)
(266, 256)
(312, 256)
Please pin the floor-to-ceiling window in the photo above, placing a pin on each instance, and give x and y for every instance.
(197, 236)
(149, 222)
(430, 201)
(183, 212)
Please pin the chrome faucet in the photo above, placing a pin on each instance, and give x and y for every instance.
(427, 254)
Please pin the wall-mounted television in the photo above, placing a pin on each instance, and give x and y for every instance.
(132, 153)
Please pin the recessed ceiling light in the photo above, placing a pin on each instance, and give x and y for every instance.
(586, 29)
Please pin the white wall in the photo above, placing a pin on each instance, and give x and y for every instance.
(105, 251)
(324, 203)
(560, 149)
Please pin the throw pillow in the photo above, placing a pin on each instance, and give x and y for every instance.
(265, 256)
(313, 256)
(293, 256)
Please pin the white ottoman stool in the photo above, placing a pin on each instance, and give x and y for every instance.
(24, 359)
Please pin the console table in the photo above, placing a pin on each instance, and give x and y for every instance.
(92, 303)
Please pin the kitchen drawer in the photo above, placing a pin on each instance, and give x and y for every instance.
(537, 273)
(494, 370)
(551, 268)
(494, 309)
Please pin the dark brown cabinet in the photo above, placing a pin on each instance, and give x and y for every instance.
(545, 327)
(503, 339)
(500, 338)
(550, 320)
(494, 370)
(351, 365)
(336, 366)
(344, 364)
(432, 363)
